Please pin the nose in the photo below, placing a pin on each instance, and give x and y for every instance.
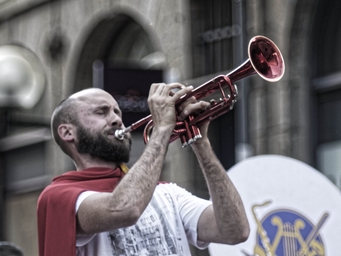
(116, 120)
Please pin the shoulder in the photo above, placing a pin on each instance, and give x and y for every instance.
(58, 194)
(59, 189)
(68, 185)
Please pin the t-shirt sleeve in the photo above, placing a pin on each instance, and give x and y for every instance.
(83, 239)
(82, 196)
(190, 209)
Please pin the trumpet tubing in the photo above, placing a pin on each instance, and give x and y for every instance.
(265, 59)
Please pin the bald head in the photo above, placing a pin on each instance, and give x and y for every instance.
(67, 111)
(90, 93)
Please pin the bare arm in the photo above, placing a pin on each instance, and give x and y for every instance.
(121, 208)
(225, 221)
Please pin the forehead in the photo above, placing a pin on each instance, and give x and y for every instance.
(94, 97)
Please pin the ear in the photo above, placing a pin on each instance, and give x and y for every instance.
(66, 132)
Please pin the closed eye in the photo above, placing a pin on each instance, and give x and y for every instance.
(102, 110)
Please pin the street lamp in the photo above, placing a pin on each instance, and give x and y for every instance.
(22, 82)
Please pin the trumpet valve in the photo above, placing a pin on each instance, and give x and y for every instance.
(197, 137)
(213, 102)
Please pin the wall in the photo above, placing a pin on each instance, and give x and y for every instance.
(58, 30)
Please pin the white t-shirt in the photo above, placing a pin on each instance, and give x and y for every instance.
(166, 227)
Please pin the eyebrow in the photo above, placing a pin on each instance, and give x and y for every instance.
(101, 106)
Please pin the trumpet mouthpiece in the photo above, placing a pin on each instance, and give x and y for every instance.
(119, 134)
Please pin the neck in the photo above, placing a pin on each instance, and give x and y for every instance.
(85, 162)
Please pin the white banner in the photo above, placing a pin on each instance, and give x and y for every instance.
(293, 209)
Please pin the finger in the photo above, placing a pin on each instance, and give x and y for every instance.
(153, 88)
(174, 88)
(164, 89)
(194, 108)
(183, 105)
(161, 88)
(183, 91)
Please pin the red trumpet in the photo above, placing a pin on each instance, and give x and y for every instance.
(265, 59)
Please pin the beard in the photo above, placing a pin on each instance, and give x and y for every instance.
(101, 147)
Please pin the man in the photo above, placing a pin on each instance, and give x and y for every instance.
(101, 210)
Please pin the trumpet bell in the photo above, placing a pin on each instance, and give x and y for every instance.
(266, 59)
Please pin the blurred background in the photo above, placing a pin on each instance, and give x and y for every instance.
(50, 49)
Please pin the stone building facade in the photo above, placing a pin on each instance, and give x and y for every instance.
(79, 42)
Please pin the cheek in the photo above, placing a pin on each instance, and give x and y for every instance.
(94, 124)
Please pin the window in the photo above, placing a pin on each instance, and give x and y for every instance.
(327, 89)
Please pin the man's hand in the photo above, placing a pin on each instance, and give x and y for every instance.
(162, 100)
(192, 107)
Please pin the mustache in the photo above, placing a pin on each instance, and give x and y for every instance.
(112, 130)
